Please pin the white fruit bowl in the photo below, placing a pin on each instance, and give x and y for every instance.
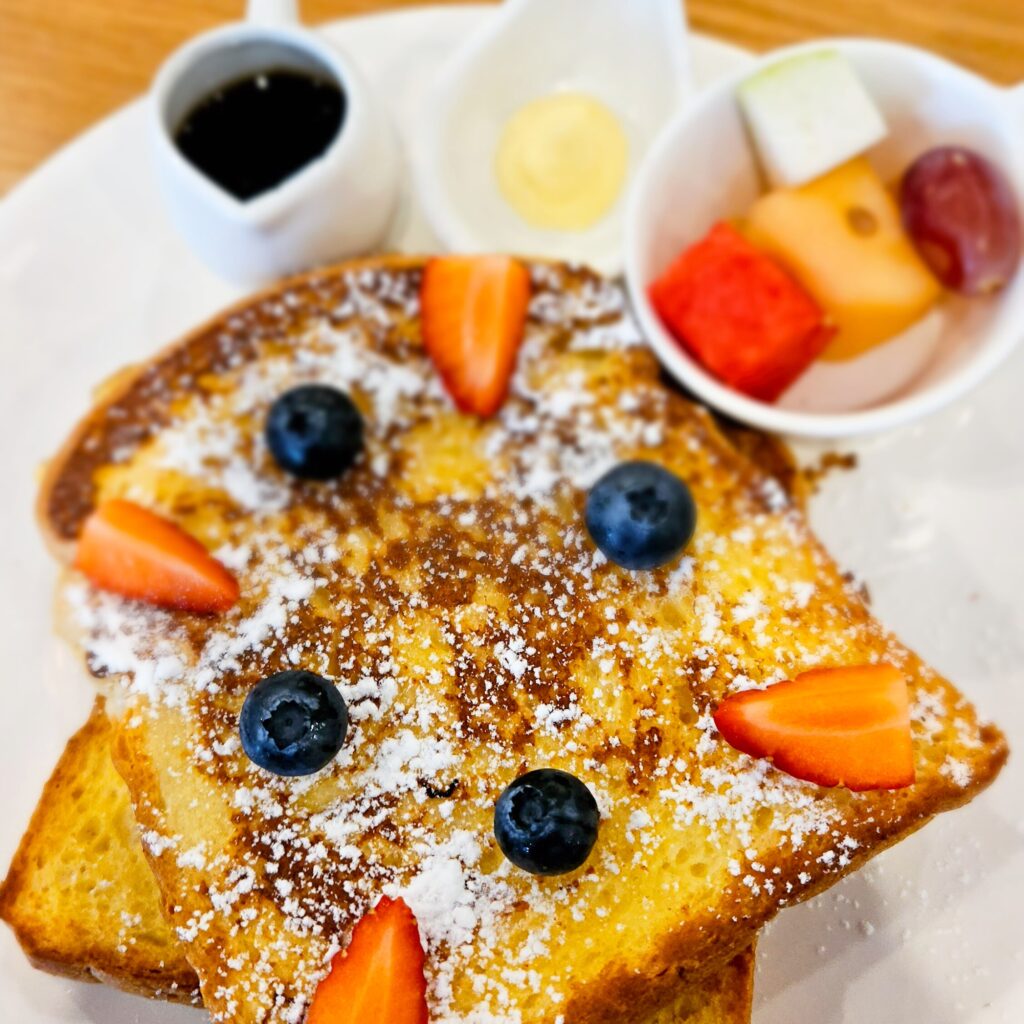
(703, 169)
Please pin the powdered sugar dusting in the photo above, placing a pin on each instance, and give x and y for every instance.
(473, 630)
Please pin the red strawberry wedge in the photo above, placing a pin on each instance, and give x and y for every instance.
(138, 554)
(473, 313)
(835, 727)
(379, 978)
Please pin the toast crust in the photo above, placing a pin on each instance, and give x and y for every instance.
(79, 895)
(751, 540)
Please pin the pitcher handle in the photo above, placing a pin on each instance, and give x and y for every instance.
(272, 12)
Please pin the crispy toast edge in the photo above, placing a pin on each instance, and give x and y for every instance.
(82, 934)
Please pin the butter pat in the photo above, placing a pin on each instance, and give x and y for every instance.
(808, 115)
(562, 161)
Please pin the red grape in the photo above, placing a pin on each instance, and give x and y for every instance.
(963, 218)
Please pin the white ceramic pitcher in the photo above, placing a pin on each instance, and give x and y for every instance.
(337, 206)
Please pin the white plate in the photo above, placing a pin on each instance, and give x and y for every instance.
(92, 277)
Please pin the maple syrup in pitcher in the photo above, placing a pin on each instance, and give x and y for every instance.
(252, 133)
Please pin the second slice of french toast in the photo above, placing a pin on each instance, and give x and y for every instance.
(79, 895)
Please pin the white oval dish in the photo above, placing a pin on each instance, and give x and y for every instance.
(703, 169)
(631, 57)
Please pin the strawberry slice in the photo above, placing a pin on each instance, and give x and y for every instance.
(836, 727)
(139, 554)
(379, 978)
(473, 312)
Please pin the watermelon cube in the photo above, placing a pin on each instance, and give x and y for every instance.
(740, 314)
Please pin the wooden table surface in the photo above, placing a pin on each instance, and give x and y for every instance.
(65, 63)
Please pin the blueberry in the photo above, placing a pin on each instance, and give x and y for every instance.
(315, 432)
(546, 822)
(640, 515)
(293, 723)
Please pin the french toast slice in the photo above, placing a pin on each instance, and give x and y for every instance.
(447, 584)
(83, 903)
(79, 895)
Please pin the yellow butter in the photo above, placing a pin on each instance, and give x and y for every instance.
(562, 161)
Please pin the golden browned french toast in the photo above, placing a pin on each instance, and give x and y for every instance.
(447, 585)
(83, 903)
(79, 894)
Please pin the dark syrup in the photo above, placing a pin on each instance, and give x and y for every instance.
(251, 134)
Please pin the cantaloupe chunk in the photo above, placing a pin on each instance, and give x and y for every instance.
(841, 236)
